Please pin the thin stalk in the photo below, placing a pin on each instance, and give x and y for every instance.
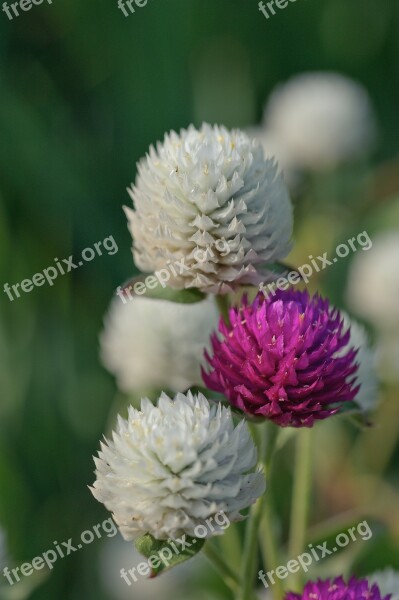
(300, 497)
(214, 556)
(380, 442)
(249, 567)
(269, 547)
(230, 545)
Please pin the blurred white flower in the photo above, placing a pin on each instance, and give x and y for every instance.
(156, 344)
(321, 120)
(274, 148)
(367, 396)
(210, 198)
(373, 282)
(172, 466)
(388, 582)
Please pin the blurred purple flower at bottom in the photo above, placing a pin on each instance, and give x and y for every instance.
(337, 589)
(286, 358)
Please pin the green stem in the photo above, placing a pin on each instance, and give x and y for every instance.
(300, 497)
(222, 303)
(270, 552)
(379, 444)
(214, 556)
(230, 545)
(250, 558)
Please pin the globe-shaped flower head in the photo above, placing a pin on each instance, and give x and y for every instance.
(210, 208)
(172, 466)
(370, 273)
(337, 589)
(321, 120)
(156, 344)
(282, 358)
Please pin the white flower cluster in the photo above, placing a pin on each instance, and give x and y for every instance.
(317, 121)
(170, 467)
(154, 344)
(203, 186)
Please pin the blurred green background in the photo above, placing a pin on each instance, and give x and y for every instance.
(83, 92)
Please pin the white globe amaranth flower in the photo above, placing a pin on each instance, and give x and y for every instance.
(368, 395)
(171, 467)
(156, 344)
(321, 119)
(388, 582)
(373, 282)
(210, 199)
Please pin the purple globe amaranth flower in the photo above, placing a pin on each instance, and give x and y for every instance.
(337, 589)
(285, 358)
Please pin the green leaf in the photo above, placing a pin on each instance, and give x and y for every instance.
(163, 555)
(279, 268)
(150, 286)
(355, 413)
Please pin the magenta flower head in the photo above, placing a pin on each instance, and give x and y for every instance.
(337, 589)
(285, 358)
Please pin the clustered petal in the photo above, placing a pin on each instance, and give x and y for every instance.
(170, 467)
(337, 589)
(282, 358)
(210, 199)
